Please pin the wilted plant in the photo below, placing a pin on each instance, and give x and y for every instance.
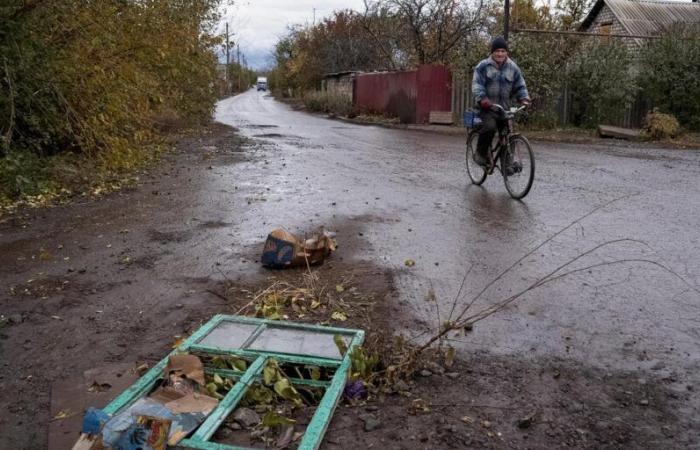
(658, 125)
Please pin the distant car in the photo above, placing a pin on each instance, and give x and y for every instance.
(261, 84)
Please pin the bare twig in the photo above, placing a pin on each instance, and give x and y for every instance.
(459, 292)
(540, 245)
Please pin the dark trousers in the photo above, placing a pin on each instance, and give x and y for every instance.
(491, 121)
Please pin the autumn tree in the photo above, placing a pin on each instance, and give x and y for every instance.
(431, 30)
(99, 79)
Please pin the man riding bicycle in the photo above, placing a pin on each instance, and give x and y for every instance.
(496, 80)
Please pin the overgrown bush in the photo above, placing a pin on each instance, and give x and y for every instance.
(658, 125)
(328, 102)
(96, 78)
(601, 82)
(544, 73)
(669, 75)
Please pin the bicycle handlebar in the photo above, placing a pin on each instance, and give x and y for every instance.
(511, 111)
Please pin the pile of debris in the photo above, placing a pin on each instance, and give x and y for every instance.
(176, 407)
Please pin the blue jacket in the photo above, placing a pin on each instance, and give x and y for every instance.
(499, 85)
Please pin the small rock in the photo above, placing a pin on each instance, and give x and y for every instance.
(372, 408)
(246, 417)
(453, 375)
(371, 423)
(426, 373)
(224, 433)
(16, 319)
(486, 424)
(644, 402)
(285, 436)
(257, 434)
(234, 425)
(658, 366)
(525, 422)
(449, 428)
(401, 386)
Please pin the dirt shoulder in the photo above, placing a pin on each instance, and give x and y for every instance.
(118, 280)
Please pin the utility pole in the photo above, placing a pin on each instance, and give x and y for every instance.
(238, 52)
(506, 20)
(227, 59)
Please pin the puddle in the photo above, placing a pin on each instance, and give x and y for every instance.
(268, 135)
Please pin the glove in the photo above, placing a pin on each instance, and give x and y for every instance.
(485, 104)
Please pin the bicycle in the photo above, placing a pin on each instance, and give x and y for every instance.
(513, 151)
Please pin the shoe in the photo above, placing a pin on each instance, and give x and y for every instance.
(480, 159)
(514, 168)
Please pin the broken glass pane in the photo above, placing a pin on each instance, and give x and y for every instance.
(228, 335)
(298, 342)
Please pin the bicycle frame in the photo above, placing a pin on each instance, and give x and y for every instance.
(504, 135)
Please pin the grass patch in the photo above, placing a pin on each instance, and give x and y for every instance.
(27, 179)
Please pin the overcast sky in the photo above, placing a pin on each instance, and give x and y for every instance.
(258, 24)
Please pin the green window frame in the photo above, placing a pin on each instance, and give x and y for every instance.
(318, 425)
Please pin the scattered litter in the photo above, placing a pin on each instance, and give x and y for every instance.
(177, 402)
(283, 249)
(94, 420)
(172, 411)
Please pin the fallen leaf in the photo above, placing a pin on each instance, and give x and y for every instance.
(339, 316)
(409, 263)
(62, 414)
(467, 419)
(339, 288)
(178, 341)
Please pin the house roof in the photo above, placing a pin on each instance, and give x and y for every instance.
(647, 17)
(340, 74)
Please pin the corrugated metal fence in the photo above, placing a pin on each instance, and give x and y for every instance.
(408, 95)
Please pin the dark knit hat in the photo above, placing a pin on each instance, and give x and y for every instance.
(497, 43)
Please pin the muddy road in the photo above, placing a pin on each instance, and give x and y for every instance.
(409, 193)
(119, 279)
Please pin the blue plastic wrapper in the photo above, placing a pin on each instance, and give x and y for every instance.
(355, 390)
(133, 438)
(94, 420)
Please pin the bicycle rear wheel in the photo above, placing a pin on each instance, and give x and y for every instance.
(519, 179)
(476, 173)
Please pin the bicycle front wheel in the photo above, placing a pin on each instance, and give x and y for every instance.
(519, 172)
(476, 173)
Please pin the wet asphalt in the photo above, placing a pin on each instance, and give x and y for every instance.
(394, 195)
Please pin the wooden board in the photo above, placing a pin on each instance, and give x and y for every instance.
(441, 117)
(618, 133)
